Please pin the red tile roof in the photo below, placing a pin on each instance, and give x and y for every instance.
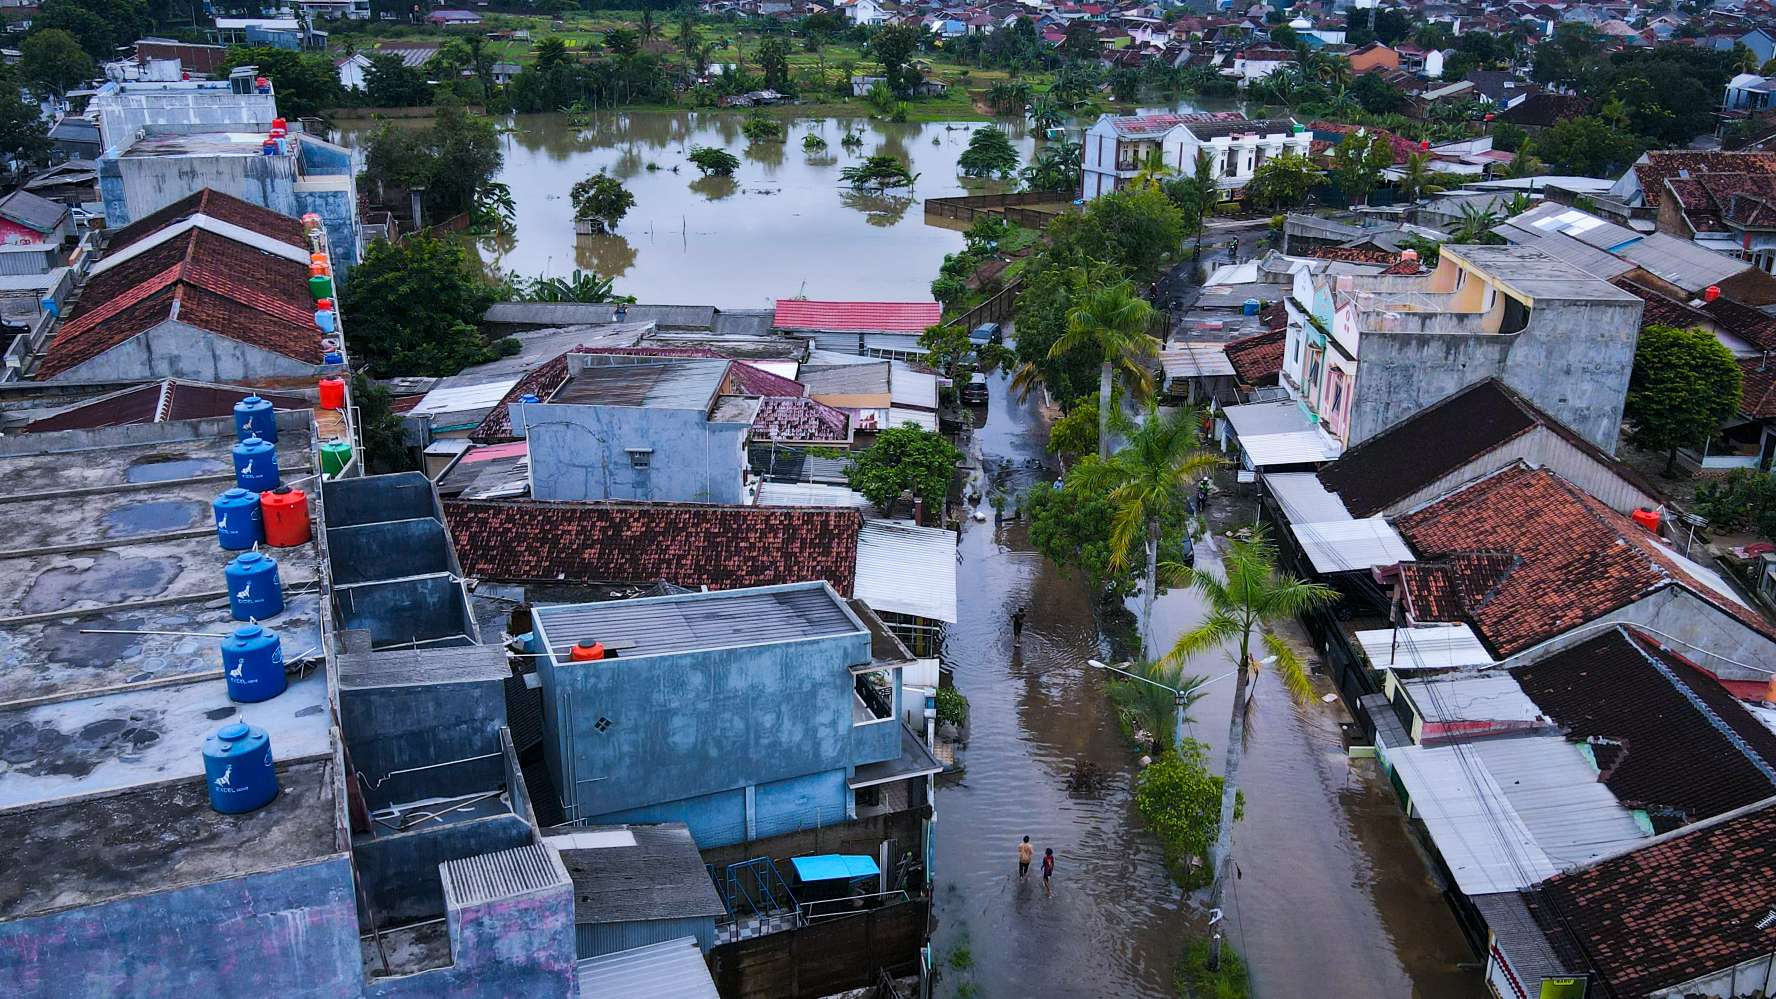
(216, 205)
(721, 547)
(1663, 716)
(1758, 397)
(865, 317)
(1258, 359)
(1687, 905)
(1352, 254)
(1579, 559)
(1754, 326)
(205, 280)
(1662, 310)
(1663, 164)
(1400, 146)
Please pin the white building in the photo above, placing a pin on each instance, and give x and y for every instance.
(1116, 146)
(1258, 63)
(865, 12)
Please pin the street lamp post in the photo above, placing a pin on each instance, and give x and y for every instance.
(1178, 696)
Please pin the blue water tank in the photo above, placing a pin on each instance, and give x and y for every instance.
(239, 523)
(254, 415)
(253, 663)
(255, 465)
(530, 398)
(238, 768)
(332, 357)
(324, 320)
(1252, 305)
(254, 590)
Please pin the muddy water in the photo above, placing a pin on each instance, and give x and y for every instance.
(1332, 900)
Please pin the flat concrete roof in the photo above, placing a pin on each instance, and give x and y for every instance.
(699, 622)
(1533, 275)
(198, 144)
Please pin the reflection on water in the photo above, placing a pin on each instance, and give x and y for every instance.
(783, 224)
(607, 256)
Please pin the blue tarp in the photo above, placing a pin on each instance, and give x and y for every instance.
(833, 866)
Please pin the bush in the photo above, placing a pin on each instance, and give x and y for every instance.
(711, 160)
(761, 127)
(1180, 800)
(952, 707)
(1194, 980)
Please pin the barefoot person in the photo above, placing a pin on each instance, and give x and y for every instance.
(1048, 870)
(1025, 853)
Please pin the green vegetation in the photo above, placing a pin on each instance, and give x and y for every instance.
(1357, 163)
(902, 459)
(414, 307)
(52, 61)
(454, 159)
(1195, 979)
(713, 161)
(601, 200)
(1282, 181)
(1180, 801)
(1685, 383)
(989, 154)
(1055, 167)
(880, 172)
(761, 127)
(1153, 710)
(952, 707)
(813, 143)
(306, 82)
(385, 444)
(581, 286)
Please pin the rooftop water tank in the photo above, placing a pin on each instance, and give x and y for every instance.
(239, 525)
(255, 465)
(254, 416)
(324, 320)
(335, 455)
(253, 664)
(586, 650)
(1251, 307)
(332, 357)
(332, 393)
(254, 590)
(239, 770)
(286, 517)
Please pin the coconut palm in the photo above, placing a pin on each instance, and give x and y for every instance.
(1149, 482)
(1113, 321)
(1207, 193)
(1244, 600)
(1416, 177)
(1151, 707)
(1154, 169)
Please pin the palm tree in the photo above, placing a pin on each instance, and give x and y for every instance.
(1415, 177)
(1152, 707)
(1113, 321)
(1243, 601)
(647, 26)
(687, 34)
(1207, 194)
(1475, 225)
(1154, 169)
(1149, 481)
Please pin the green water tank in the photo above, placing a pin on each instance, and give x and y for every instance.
(320, 286)
(335, 455)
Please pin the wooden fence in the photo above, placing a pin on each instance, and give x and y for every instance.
(1011, 207)
(997, 309)
(831, 955)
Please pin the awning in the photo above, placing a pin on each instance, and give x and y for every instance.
(915, 760)
(1351, 545)
(1432, 646)
(1279, 433)
(671, 970)
(1196, 360)
(835, 866)
(906, 569)
(1303, 498)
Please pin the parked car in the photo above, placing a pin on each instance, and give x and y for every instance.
(987, 333)
(975, 392)
(1187, 552)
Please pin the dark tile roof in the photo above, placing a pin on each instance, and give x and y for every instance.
(1758, 397)
(1580, 559)
(1754, 326)
(207, 281)
(33, 211)
(1686, 905)
(661, 877)
(216, 205)
(1258, 359)
(166, 400)
(721, 547)
(1545, 109)
(1661, 309)
(1664, 164)
(799, 420)
(1684, 746)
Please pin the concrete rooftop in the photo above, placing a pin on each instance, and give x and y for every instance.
(699, 622)
(1536, 276)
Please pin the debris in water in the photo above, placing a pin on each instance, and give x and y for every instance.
(1087, 778)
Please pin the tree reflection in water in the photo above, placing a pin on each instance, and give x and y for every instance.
(610, 256)
(715, 188)
(878, 209)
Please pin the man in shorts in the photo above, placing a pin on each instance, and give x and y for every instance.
(1025, 853)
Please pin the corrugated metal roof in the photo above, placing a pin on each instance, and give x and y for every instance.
(493, 876)
(1430, 646)
(1304, 499)
(1196, 360)
(1278, 433)
(695, 622)
(900, 415)
(910, 387)
(1472, 697)
(670, 970)
(808, 494)
(1350, 545)
(905, 569)
(865, 317)
(1680, 261)
(464, 398)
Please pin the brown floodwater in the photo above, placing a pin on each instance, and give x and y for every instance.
(1332, 898)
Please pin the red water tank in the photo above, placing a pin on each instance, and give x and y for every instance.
(279, 123)
(585, 650)
(1646, 518)
(1711, 293)
(332, 393)
(286, 517)
(325, 304)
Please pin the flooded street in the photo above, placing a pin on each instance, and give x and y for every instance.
(1332, 898)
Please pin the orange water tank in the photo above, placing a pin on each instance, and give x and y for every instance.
(286, 517)
(319, 270)
(1648, 519)
(332, 393)
(585, 650)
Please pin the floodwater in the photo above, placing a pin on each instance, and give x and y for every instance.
(1332, 899)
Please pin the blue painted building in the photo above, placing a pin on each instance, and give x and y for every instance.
(744, 714)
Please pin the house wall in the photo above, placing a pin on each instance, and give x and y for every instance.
(579, 453)
(289, 933)
(1572, 361)
(1182, 148)
(399, 871)
(1545, 448)
(1680, 614)
(173, 349)
(755, 811)
(595, 939)
(416, 725)
(135, 186)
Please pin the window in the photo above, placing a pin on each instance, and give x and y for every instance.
(1232, 165)
(640, 457)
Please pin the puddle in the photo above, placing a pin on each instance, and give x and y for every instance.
(157, 517)
(44, 750)
(168, 469)
(105, 578)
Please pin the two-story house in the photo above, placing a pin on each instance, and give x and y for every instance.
(1117, 147)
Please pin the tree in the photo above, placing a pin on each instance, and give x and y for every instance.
(1376, 95)
(1137, 229)
(880, 172)
(622, 42)
(1008, 97)
(601, 200)
(1152, 708)
(904, 458)
(101, 26)
(1357, 163)
(1685, 383)
(1075, 434)
(1475, 225)
(1197, 195)
(773, 60)
(946, 347)
(761, 127)
(1416, 177)
(1391, 25)
(382, 429)
(453, 160)
(552, 52)
(893, 46)
(989, 153)
(1080, 41)
(1585, 146)
(1507, 137)
(1053, 281)
(1113, 323)
(1180, 799)
(1055, 167)
(390, 83)
(1150, 480)
(1070, 526)
(24, 138)
(1154, 169)
(306, 83)
(1244, 600)
(414, 307)
(52, 61)
(1282, 181)
(581, 286)
(715, 161)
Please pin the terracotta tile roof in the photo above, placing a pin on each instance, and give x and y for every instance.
(1402, 147)
(721, 547)
(203, 279)
(1663, 717)
(218, 206)
(1759, 393)
(1660, 309)
(1352, 254)
(548, 376)
(1453, 588)
(1405, 266)
(1754, 326)
(1688, 905)
(799, 420)
(1664, 164)
(867, 317)
(1258, 360)
(1545, 109)
(1580, 560)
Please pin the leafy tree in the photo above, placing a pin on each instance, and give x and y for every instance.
(1055, 167)
(1586, 146)
(1416, 177)
(1282, 181)
(1007, 97)
(813, 143)
(893, 46)
(1475, 225)
(52, 61)
(101, 26)
(306, 83)
(601, 200)
(1376, 95)
(1507, 137)
(715, 161)
(453, 160)
(414, 307)
(1080, 41)
(1244, 600)
(622, 42)
(581, 286)
(761, 127)
(24, 137)
(989, 153)
(1137, 229)
(1392, 25)
(1070, 526)
(1196, 195)
(1150, 481)
(1743, 498)
(390, 83)
(1357, 163)
(946, 348)
(552, 52)
(1075, 434)
(880, 172)
(904, 458)
(385, 439)
(1180, 799)
(773, 60)
(1113, 323)
(1685, 383)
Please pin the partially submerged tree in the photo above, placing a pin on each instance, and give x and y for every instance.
(880, 172)
(414, 307)
(602, 201)
(989, 153)
(1114, 323)
(714, 162)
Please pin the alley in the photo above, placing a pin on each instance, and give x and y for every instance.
(1333, 899)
